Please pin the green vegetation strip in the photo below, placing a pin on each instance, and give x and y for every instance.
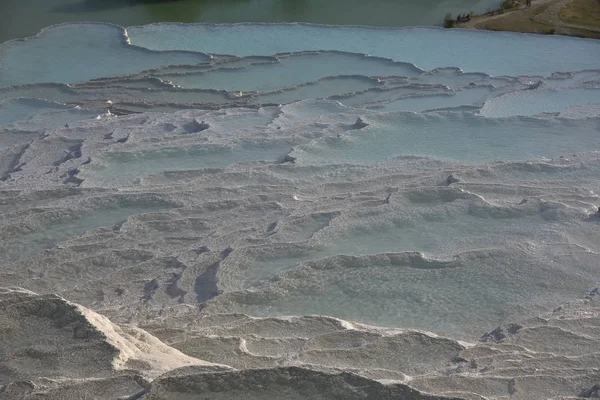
(582, 12)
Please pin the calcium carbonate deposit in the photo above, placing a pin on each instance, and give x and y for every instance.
(295, 211)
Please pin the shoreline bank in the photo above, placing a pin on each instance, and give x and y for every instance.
(579, 18)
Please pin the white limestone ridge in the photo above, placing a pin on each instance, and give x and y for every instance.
(51, 347)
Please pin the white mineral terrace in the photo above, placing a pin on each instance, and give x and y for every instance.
(293, 211)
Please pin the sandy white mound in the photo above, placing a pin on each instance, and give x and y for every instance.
(46, 336)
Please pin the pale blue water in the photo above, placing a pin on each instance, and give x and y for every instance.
(494, 53)
(459, 138)
(40, 113)
(321, 89)
(534, 102)
(291, 71)
(435, 231)
(66, 228)
(464, 97)
(17, 110)
(121, 168)
(79, 52)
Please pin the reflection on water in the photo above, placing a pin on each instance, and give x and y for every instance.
(156, 10)
(27, 18)
(99, 5)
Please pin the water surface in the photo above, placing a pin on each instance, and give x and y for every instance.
(27, 18)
